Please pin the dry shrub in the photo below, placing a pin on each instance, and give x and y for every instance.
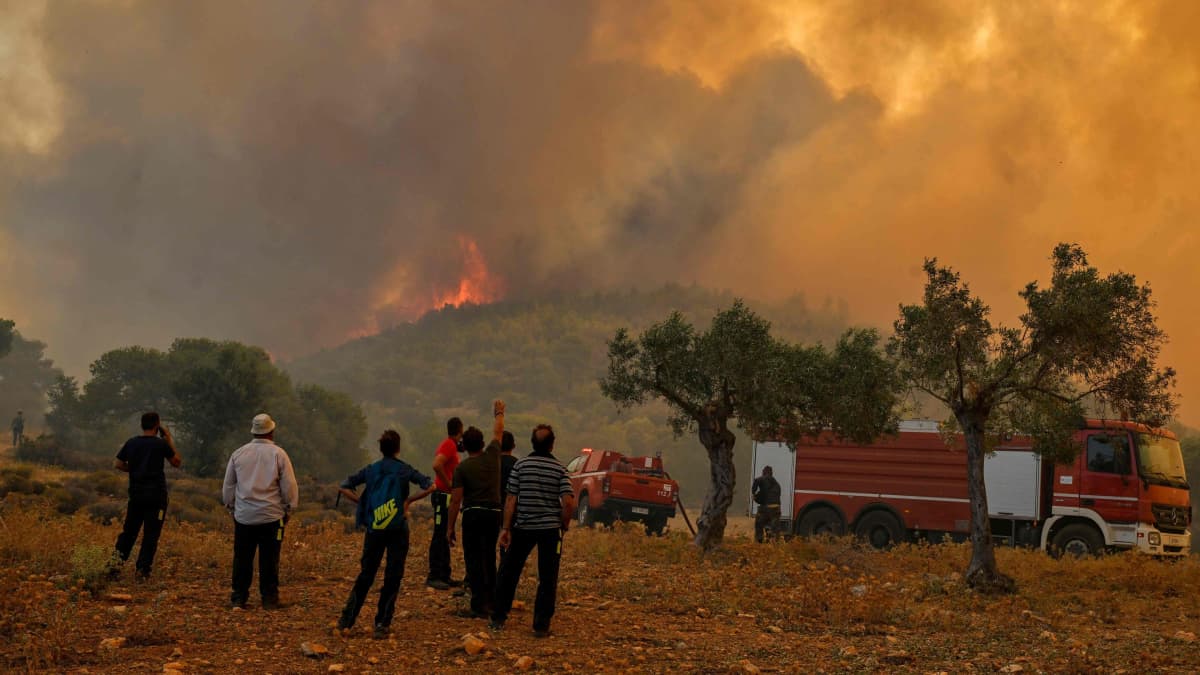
(89, 567)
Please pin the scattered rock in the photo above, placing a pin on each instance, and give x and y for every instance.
(472, 645)
(1185, 636)
(1013, 668)
(174, 667)
(742, 615)
(849, 650)
(177, 654)
(605, 605)
(112, 643)
(519, 606)
(859, 590)
(523, 663)
(1047, 635)
(337, 668)
(372, 660)
(313, 650)
(681, 645)
(119, 597)
(747, 667)
(703, 613)
(896, 658)
(119, 610)
(774, 629)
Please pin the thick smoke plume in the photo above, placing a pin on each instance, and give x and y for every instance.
(295, 173)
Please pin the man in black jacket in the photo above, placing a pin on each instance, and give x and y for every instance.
(766, 493)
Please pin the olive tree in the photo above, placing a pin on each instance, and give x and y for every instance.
(1085, 342)
(737, 372)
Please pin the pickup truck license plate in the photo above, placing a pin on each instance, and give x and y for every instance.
(642, 510)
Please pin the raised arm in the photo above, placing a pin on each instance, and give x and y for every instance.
(498, 424)
(174, 459)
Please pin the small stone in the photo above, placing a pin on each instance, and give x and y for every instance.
(238, 662)
(472, 645)
(177, 653)
(1013, 668)
(859, 590)
(372, 660)
(174, 667)
(313, 650)
(112, 643)
(523, 663)
(1047, 635)
(849, 650)
(119, 610)
(749, 668)
(703, 613)
(460, 661)
(1185, 636)
(774, 629)
(519, 606)
(681, 645)
(119, 597)
(336, 668)
(605, 605)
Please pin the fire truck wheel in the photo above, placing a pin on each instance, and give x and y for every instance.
(586, 518)
(821, 520)
(880, 529)
(1077, 539)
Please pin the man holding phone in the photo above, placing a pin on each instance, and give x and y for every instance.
(142, 458)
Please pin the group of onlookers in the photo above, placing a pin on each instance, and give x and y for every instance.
(507, 506)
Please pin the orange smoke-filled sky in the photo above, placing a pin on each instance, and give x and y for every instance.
(290, 173)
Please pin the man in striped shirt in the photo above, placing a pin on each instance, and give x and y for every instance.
(537, 512)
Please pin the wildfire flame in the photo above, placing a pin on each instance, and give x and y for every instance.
(401, 299)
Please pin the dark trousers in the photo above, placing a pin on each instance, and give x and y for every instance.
(549, 548)
(267, 540)
(439, 545)
(375, 543)
(16, 438)
(766, 523)
(145, 515)
(480, 530)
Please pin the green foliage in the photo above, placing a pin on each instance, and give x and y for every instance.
(89, 565)
(26, 376)
(1087, 344)
(207, 391)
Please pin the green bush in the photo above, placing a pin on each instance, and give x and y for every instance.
(89, 564)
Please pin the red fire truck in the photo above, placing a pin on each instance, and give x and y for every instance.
(1126, 490)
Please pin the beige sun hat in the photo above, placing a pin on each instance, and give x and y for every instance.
(262, 424)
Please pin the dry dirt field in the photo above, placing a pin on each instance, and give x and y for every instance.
(627, 603)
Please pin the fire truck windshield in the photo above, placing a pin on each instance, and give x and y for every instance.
(1160, 461)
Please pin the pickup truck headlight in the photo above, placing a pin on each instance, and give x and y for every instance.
(1154, 539)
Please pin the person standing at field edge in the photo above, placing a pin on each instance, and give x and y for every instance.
(537, 514)
(260, 490)
(142, 458)
(383, 512)
(18, 428)
(445, 461)
(767, 494)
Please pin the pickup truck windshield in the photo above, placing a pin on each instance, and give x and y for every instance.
(1160, 461)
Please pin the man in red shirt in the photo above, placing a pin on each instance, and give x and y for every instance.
(445, 461)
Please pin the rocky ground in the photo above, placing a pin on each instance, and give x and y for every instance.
(627, 603)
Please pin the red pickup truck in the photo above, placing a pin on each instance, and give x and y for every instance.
(609, 486)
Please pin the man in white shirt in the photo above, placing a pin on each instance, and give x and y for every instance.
(261, 491)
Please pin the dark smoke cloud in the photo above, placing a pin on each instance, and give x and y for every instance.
(293, 173)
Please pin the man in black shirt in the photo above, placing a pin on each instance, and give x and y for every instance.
(766, 492)
(142, 458)
(475, 492)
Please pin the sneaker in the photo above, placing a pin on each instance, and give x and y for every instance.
(237, 604)
(438, 584)
(272, 605)
(455, 583)
(342, 624)
(541, 632)
(381, 632)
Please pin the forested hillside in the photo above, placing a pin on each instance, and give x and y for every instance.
(544, 357)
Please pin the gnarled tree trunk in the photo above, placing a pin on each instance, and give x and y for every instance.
(718, 441)
(982, 573)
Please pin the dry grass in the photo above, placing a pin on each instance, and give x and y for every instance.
(626, 603)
